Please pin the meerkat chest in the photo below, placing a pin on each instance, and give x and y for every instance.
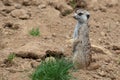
(80, 31)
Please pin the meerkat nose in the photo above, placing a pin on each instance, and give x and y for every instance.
(74, 16)
(88, 16)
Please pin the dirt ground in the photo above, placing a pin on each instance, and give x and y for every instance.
(18, 17)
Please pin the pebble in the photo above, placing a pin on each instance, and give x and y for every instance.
(103, 34)
(53, 35)
(38, 60)
(115, 47)
(42, 6)
(20, 13)
(94, 66)
(18, 6)
(102, 73)
(103, 9)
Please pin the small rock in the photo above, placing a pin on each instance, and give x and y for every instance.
(8, 9)
(103, 34)
(31, 2)
(100, 49)
(35, 2)
(2, 65)
(26, 3)
(93, 66)
(18, 6)
(65, 10)
(62, 7)
(106, 43)
(53, 35)
(42, 6)
(31, 50)
(2, 6)
(16, 26)
(94, 9)
(12, 70)
(7, 2)
(102, 73)
(38, 60)
(20, 13)
(103, 9)
(111, 3)
(2, 45)
(47, 37)
(117, 51)
(3, 14)
(115, 47)
(93, 4)
(95, 76)
(81, 3)
(97, 26)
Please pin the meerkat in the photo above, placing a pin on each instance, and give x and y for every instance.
(82, 17)
(81, 43)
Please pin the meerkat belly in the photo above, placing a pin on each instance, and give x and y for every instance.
(81, 46)
(76, 31)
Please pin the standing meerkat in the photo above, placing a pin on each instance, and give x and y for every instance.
(81, 43)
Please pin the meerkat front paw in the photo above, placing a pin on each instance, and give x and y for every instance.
(70, 41)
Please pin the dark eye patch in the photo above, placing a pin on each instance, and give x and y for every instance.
(80, 14)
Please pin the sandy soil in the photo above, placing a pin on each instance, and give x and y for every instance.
(18, 17)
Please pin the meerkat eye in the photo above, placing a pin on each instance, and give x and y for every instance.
(80, 14)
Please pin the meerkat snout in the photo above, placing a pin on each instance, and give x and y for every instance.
(81, 15)
(75, 16)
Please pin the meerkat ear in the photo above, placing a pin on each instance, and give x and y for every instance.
(76, 10)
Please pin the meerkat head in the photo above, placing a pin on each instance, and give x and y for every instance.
(81, 15)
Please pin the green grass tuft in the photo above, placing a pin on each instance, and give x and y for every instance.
(65, 13)
(35, 32)
(72, 3)
(11, 56)
(53, 70)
